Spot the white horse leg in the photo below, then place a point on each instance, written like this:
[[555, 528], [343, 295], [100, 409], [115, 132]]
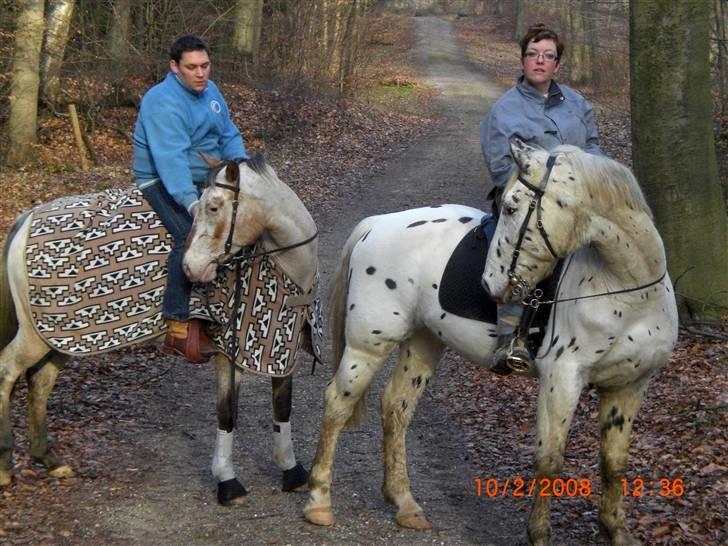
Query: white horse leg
[[355, 372], [41, 379], [229, 489], [557, 398], [417, 359], [294, 475], [617, 410], [19, 355]]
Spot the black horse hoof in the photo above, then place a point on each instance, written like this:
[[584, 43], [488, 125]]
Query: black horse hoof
[[294, 478], [229, 491]]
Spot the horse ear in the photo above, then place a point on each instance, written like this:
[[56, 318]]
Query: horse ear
[[232, 171], [212, 162], [520, 151]]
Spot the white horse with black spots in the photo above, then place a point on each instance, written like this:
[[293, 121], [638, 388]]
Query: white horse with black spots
[[614, 323]]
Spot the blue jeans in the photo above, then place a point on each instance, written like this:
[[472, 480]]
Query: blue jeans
[[176, 301]]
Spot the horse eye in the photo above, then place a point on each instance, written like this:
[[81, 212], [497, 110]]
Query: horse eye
[[509, 210], [212, 208]]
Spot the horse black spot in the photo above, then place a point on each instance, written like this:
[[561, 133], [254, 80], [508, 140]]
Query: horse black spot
[[658, 327], [613, 411], [492, 335], [600, 351], [377, 344], [409, 353], [410, 281], [620, 314], [590, 279], [502, 269], [551, 389], [498, 252], [434, 285], [347, 393], [649, 332], [352, 306], [396, 313], [353, 366], [439, 333], [560, 204], [364, 238], [443, 316], [404, 404], [375, 332], [571, 343], [439, 221], [630, 338], [464, 219], [581, 281], [427, 381], [418, 223], [559, 352], [563, 420], [540, 443], [571, 178], [406, 368], [575, 349], [371, 269], [390, 284], [351, 272], [419, 380], [555, 341], [637, 365]]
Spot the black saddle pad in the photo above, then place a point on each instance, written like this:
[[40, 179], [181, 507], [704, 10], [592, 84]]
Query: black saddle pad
[[460, 290], [462, 295]]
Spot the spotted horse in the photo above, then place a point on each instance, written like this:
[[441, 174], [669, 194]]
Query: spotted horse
[[84, 275], [612, 323]]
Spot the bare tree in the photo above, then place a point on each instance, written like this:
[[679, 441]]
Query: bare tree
[[673, 147], [23, 121], [246, 36], [579, 30], [58, 26], [119, 27]]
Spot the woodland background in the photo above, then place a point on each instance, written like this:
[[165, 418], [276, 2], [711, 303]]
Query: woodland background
[[327, 88]]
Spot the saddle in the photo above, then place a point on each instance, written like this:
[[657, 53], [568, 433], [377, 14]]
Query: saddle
[[461, 293]]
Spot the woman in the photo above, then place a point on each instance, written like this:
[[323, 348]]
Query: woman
[[538, 111]]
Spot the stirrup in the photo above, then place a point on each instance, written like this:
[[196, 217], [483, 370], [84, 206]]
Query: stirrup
[[518, 357]]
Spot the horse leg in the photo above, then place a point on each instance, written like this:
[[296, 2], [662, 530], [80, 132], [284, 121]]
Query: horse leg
[[343, 393], [617, 410], [19, 355], [229, 489], [417, 359], [41, 379], [294, 475], [557, 399]]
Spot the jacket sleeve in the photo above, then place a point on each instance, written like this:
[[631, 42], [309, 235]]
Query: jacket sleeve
[[169, 145], [231, 141], [494, 143], [592, 137]]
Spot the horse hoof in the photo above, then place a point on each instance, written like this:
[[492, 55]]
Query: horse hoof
[[293, 478], [414, 521], [230, 492], [6, 478], [62, 471], [320, 516]]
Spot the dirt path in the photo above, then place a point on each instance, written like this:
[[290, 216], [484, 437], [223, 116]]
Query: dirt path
[[163, 492]]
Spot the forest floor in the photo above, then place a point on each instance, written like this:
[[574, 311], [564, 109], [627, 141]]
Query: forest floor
[[138, 427]]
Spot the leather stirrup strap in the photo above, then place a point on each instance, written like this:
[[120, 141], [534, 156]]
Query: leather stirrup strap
[[192, 347]]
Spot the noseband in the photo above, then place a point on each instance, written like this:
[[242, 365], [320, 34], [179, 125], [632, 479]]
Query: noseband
[[519, 287]]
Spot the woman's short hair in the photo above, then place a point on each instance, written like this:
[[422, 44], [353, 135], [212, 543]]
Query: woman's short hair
[[539, 32]]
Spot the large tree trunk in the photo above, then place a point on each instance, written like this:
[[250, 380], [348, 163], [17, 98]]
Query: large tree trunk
[[519, 19], [673, 148], [246, 36], [579, 31], [58, 26], [24, 89], [119, 26]]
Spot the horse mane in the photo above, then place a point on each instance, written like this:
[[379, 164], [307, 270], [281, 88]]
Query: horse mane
[[609, 183], [260, 166]]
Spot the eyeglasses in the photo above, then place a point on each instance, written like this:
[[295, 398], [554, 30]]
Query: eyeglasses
[[549, 56]]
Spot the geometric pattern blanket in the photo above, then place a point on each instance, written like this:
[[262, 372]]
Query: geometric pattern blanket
[[96, 268]]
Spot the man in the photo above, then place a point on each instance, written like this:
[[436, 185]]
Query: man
[[538, 111], [181, 117]]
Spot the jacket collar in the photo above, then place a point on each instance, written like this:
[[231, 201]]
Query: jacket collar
[[171, 75], [554, 97]]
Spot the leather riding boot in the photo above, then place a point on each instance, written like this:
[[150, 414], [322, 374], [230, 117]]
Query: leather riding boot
[[188, 339], [512, 355]]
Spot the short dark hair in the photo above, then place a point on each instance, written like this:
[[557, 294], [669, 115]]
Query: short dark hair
[[188, 42], [539, 32]]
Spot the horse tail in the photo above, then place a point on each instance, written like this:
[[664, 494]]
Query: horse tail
[[337, 311], [8, 318]]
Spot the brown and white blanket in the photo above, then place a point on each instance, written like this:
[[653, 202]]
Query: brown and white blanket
[[96, 268]]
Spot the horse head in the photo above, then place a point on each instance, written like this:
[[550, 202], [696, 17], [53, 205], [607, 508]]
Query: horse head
[[229, 217], [537, 222]]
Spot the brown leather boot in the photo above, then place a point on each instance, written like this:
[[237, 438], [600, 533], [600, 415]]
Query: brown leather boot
[[196, 347]]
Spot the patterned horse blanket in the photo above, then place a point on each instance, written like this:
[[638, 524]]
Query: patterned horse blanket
[[96, 267]]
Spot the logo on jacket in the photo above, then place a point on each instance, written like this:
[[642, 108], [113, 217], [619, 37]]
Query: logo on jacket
[[215, 106]]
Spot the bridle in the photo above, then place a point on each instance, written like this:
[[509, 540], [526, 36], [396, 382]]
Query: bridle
[[519, 287], [227, 257]]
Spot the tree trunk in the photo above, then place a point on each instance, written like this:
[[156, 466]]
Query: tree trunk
[[673, 148], [119, 26], [58, 26], [349, 46], [519, 19], [246, 36], [580, 36], [24, 89]]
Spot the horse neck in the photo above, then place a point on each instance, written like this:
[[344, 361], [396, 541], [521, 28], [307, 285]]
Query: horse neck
[[628, 245], [289, 222]]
